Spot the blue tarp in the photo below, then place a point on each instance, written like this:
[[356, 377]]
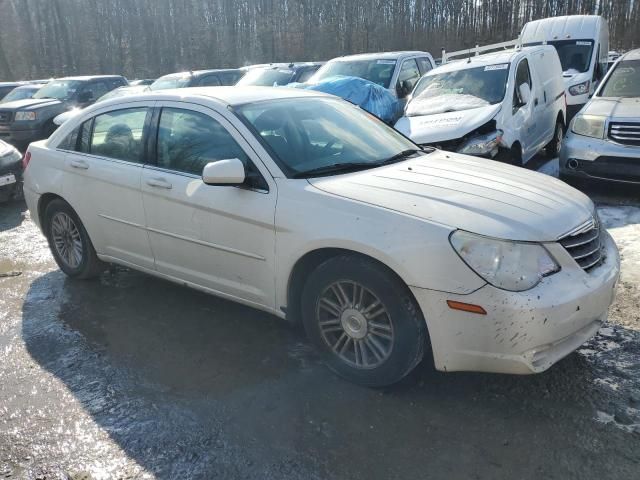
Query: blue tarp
[[370, 96]]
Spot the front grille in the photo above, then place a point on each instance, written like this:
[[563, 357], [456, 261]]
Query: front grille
[[5, 117], [627, 133], [447, 145], [584, 244]]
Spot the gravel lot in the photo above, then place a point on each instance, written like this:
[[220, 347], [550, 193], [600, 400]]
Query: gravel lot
[[133, 377]]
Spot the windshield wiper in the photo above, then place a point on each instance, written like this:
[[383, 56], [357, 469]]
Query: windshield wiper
[[335, 168], [355, 166]]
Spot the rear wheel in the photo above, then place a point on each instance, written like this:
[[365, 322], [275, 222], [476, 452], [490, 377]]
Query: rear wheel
[[555, 145], [69, 242], [363, 320], [512, 156]]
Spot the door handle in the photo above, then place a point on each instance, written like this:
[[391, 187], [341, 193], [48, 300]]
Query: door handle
[[535, 102], [159, 183], [80, 164]]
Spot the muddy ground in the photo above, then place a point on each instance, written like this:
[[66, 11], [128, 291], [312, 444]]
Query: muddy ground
[[133, 377]]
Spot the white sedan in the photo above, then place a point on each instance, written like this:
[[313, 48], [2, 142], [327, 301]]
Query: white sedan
[[305, 206]]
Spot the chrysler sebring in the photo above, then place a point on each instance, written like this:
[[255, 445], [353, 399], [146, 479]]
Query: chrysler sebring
[[303, 205]]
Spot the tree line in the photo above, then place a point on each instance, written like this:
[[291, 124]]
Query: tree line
[[148, 38]]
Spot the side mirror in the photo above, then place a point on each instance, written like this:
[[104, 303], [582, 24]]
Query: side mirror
[[524, 92], [224, 172]]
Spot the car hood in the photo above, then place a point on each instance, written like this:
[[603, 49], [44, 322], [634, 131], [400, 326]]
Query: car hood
[[64, 116], [30, 104], [468, 193], [445, 126], [614, 107]]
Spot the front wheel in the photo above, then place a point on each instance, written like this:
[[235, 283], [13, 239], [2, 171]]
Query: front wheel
[[364, 320], [69, 242]]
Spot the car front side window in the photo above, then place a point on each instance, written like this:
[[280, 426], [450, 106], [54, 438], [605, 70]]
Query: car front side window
[[189, 140], [407, 78], [119, 134]]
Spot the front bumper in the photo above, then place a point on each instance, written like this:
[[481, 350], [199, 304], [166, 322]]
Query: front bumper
[[522, 332], [21, 137], [599, 159]]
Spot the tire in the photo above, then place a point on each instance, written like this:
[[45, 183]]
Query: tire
[[69, 242], [358, 342], [555, 145]]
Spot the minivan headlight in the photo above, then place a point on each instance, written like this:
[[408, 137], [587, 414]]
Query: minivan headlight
[[588, 125], [25, 116], [580, 88], [482, 144], [509, 265]]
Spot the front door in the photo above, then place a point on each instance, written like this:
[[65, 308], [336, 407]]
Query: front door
[[218, 237]]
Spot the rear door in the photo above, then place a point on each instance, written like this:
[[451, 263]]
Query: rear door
[[524, 119], [218, 237], [104, 159]]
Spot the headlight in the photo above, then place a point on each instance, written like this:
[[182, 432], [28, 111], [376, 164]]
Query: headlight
[[588, 125], [513, 266], [482, 144], [25, 116], [580, 89]]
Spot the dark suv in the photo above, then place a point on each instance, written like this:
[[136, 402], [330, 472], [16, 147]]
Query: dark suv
[[280, 74], [28, 120], [198, 78]]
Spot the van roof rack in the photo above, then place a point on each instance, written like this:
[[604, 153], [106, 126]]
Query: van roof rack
[[511, 44]]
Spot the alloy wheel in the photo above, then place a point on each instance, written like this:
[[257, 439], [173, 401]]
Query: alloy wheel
[[355, 324], [66, 239]]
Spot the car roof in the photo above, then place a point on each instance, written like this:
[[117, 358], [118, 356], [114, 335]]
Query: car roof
[[560, 28], [199, 73], [505, 56], [31, 85], [230, 96], [84, 78], [631, 55], [379, 56], [290, 65]]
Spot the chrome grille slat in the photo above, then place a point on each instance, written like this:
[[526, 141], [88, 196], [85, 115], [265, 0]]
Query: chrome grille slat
[[625, 132], [584, 245]]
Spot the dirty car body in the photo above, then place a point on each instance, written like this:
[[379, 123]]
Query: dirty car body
[[373, 243]]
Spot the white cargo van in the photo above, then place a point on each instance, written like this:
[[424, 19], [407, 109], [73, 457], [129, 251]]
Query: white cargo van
[[582, 42], [508, 105]]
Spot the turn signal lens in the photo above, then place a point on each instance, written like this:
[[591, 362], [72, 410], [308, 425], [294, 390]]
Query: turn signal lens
[[466, 307]]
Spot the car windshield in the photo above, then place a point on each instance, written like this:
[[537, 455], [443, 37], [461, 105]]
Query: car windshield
[[58, 89], [624, 81], [19, 93], [377, 71], [575, 55], [268, 77], [175, 80], [322, 136], [459, 90]]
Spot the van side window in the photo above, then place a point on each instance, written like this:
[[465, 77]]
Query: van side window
[[523, 75], [425, 65], [407, 78]]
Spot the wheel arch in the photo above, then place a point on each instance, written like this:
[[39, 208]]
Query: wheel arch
[[310, 261], [44, 200]]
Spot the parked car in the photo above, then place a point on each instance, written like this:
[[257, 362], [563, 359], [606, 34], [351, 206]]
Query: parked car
[[279, 74], [198, 78], [305, 206], [118, 92], [508, 105], [398, 72], [582, 42], [603, 142], [10, 172], [145, 82], [7, 87], [22, 92], [25, 121]]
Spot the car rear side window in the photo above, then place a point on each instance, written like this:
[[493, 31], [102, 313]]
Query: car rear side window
[[119, 134], [188, 140]]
